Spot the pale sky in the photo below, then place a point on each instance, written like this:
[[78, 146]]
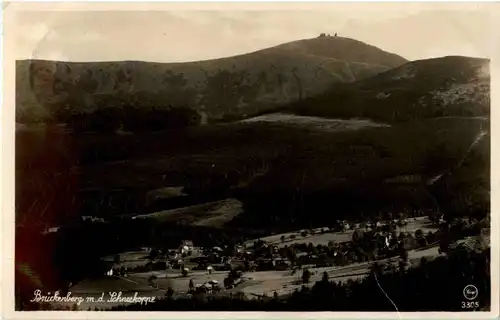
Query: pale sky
[[176, 33]]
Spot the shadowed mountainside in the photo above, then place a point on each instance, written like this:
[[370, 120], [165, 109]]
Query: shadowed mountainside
[[228, 87], [440, 87]]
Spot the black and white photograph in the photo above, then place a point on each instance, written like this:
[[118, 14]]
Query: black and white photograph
[[292, 157]]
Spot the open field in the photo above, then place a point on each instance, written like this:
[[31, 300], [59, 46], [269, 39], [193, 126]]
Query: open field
[[213, 214], [324, 124], [283, 282], [422, 223]]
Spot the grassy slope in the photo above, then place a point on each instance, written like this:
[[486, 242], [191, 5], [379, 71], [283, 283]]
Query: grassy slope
[[212, 214]]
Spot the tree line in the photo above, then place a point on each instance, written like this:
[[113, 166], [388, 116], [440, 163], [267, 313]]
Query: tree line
[[109, 120]]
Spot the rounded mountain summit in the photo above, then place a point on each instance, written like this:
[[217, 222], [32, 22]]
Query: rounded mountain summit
[[222, 88]]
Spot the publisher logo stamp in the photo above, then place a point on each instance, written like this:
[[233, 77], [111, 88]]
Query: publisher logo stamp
[[470, 292]]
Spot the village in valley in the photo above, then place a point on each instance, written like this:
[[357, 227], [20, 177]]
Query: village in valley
[[277, 265]]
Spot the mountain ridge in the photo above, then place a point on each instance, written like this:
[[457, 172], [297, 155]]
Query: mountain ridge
[[240, 85], [426, 88], [279, 46]]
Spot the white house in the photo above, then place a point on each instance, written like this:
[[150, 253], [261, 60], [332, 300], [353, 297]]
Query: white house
[[213, 282], [239, 249], [345, 226], [186, 246], [387, 241]]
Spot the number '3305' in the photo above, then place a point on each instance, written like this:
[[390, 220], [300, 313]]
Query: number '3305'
[[470, 304]]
